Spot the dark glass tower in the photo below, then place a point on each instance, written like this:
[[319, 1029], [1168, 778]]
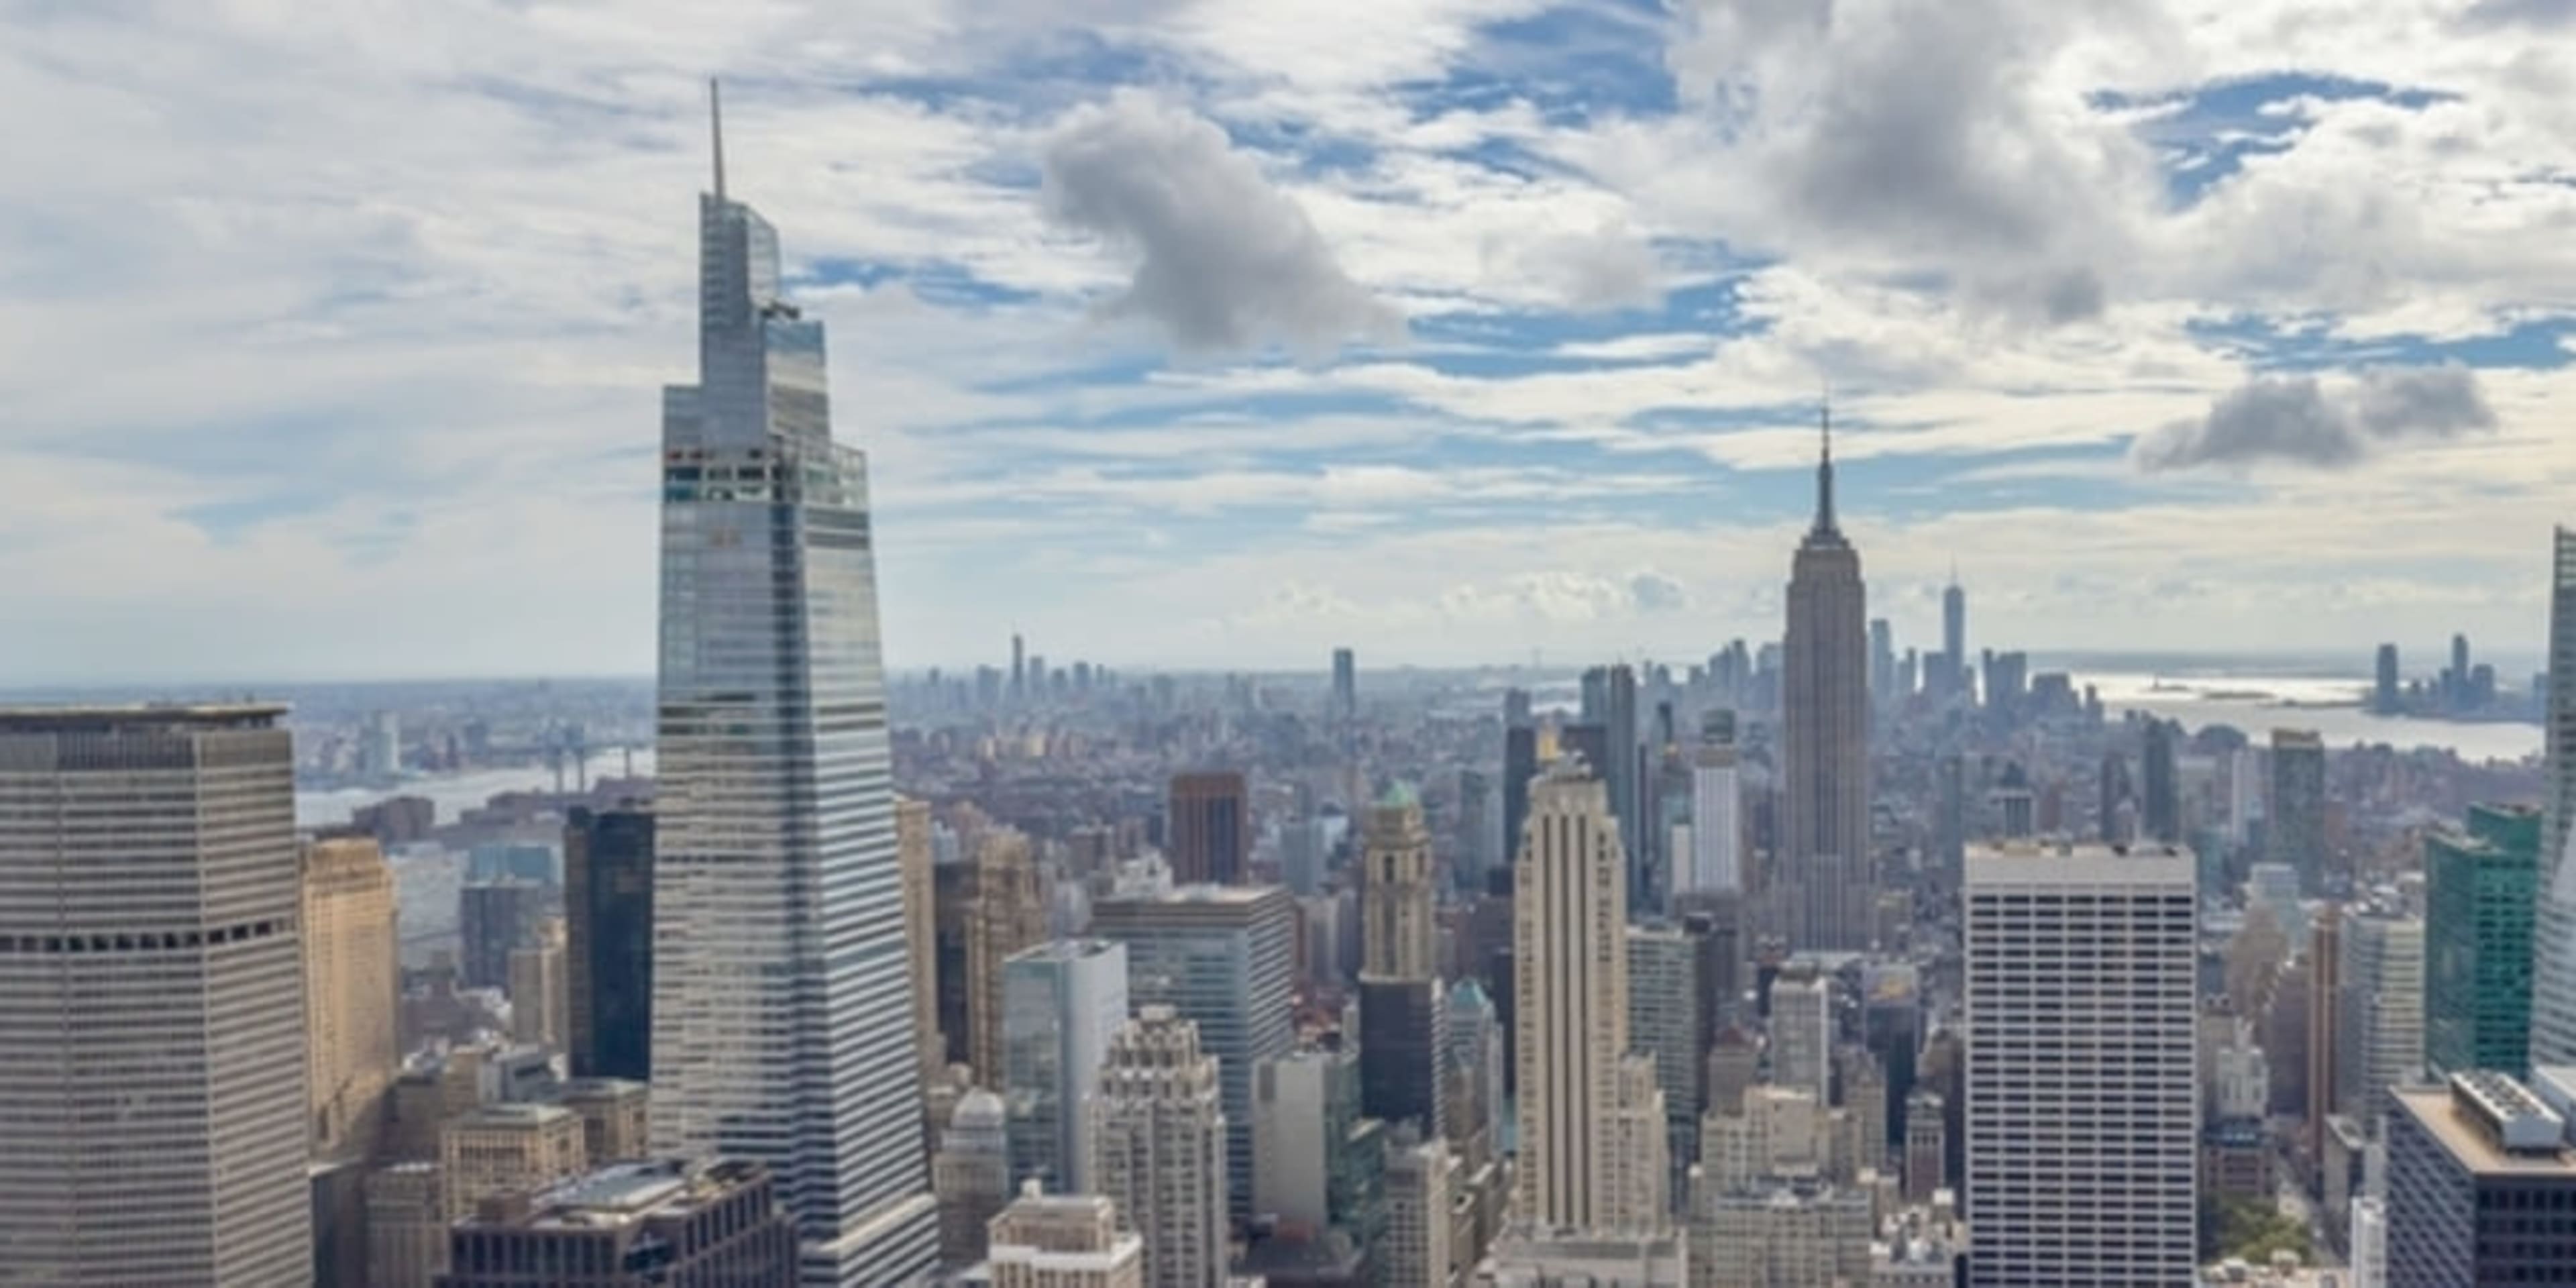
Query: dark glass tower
[[608, 915]]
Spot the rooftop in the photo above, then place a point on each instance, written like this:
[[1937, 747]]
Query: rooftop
[[621, 1194], [2461, 1132], [108, 718]]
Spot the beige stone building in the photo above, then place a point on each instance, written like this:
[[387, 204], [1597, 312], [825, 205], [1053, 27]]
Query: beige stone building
[[352, 980], [505, 1147], [1064, 1241]]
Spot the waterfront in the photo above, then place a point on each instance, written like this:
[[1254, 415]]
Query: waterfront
[[454, 793], [2330, 705]]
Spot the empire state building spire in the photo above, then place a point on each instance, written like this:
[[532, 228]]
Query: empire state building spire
[[1825, 476]]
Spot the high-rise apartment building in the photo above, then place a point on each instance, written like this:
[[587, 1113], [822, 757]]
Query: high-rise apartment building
[[2480, 891], [1207, 828], [1825, 852], [1717, 822], [1063, 1241], [2481, 1186], [782, 1031], [1403, 1018], [1222, 958], [971, 1175], [640, 1224], [2379, 1021], [2553, 985], [608, 949], [1062, 1002], [2083, 1105], [153, 1113], [1158, 1148], [352, 980], [2296, 817], [1592, 1144], [494, 919]]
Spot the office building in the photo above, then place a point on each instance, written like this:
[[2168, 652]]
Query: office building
[[608, 949], [1474, 1049], [1926, 1146], [1522, 1260], [1668, 1024], [2480, 891], [151, 999], [1322, 1159], [2387, 692], [1592, 1150], [1801, 1231], [641, 1224], [494, 919], [1403, 1016], [1063, 1241], [2083, 1105], [2481, 1186], [1158, 1148], [991, 906], [1520, 765], [1802, 1031], [971, 1175], [352, 976], [920, 938], [2366, 1249], [2379, 1021], [2295, 820], [775, 826], [1207, 828], [2322, 968], [1062, 1002], [1220, 956], [1610, 702], [1346, 687], [2160, 805], [1419, 1246], [2553, 985], [1825, 856], [1717, 825], [498, 1148], [406, 1226], [616, 1117], [540, 991]]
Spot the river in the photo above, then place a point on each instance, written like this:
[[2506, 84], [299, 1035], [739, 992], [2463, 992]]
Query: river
[[454, 793]]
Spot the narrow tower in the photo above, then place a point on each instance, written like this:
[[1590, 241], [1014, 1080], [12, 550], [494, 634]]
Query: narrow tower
[[1830, 883]]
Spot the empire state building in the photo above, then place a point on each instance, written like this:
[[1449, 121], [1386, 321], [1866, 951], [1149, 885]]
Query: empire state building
[[1827, 874]]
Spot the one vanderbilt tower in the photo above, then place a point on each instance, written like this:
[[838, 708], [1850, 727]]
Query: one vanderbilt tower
[[782, 1024]]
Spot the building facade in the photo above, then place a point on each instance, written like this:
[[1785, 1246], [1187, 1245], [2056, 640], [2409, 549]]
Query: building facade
[[1062, 1002], [1716, 817], [2083, 1104], [352, 987], [644, 1224], [971, 1175], [503, 1147], [2553, 985], [153, 1113], [1403, 1016], [1158, 1148], [2295, 821], [608, 949], [1063, 1241], [2481, 1186], [1825, 851], [1208, 828], [2379, 1021], [2481, 890], [1222, 958], [782, 1029]]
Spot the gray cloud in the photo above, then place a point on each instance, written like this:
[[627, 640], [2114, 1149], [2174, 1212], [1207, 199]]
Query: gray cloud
[[1915, 132], [2294, 420], [1226, 262], [1611, 267], [1653, 592], [2520, 13]]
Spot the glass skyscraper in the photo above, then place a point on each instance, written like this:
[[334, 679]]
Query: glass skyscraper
[[2553, 984], [782, 1024]]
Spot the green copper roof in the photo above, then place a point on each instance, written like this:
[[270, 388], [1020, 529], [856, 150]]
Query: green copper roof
[[1399, 795]]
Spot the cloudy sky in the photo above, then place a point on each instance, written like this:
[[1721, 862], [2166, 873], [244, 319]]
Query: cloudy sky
[[1218, 332]]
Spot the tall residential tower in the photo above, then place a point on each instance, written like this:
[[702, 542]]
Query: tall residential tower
[[782, 1025]]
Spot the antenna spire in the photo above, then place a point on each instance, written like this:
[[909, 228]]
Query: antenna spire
[[715, 127], [1825, 468]]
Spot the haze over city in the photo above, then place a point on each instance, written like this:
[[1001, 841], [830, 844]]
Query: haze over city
[[1210, 335]]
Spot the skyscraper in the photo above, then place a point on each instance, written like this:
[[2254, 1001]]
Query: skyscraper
[[1403, 1018], [608, 916], [1802, 1032], [2160, 809], [1061, 1003], [2379, 1020], [494, 919], [1208, 828], [1882, 660], [2296, 818], [1954, 635], [1610, 701], [1222, 958], [2553, 985], [1005, 913], [1520, 765], [2481, 1181], [2081, 1055], [971, 1175], [539, 996], [2478, 901], [1346, 687], [912, 848], [1158, 1148], [152, 1062], [782, 1032], [2385, 698], [1418, 1248], [352, 978], [1825, 845], [1717, 803], [1592, 1144]]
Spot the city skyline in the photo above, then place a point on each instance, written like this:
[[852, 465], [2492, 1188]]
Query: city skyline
[[1587, 440]]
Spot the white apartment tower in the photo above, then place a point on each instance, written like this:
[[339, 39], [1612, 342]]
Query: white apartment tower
[[1592, 1148], [1158, 1148], [2083, 1108], [152, 1026], [783, 1023], [1717, 822]]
